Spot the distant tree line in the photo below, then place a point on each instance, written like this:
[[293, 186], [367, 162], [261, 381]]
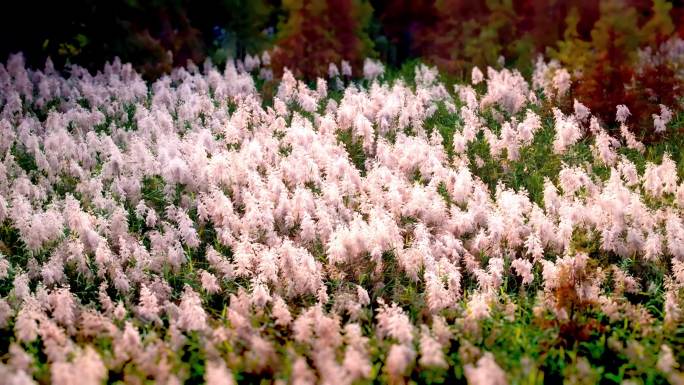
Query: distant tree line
[[601, 40]]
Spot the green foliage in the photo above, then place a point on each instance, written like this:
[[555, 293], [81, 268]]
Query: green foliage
[[660, 24], [240, 27], [24, 159], [572, 50], [617, 28], [354, 149]]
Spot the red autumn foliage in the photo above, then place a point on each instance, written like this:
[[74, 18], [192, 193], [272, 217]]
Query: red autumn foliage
[[617, 74], [319, 32]]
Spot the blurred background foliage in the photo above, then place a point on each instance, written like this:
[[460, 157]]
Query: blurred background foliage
[[312, 34], [599, 40]]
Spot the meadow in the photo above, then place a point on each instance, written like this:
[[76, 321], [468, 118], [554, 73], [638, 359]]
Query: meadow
[[391, 226]]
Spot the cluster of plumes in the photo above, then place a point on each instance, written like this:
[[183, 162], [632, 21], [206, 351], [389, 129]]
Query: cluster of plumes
[[165, 199]]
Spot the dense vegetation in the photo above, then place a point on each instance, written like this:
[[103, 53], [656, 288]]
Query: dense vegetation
[[404, 226]]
